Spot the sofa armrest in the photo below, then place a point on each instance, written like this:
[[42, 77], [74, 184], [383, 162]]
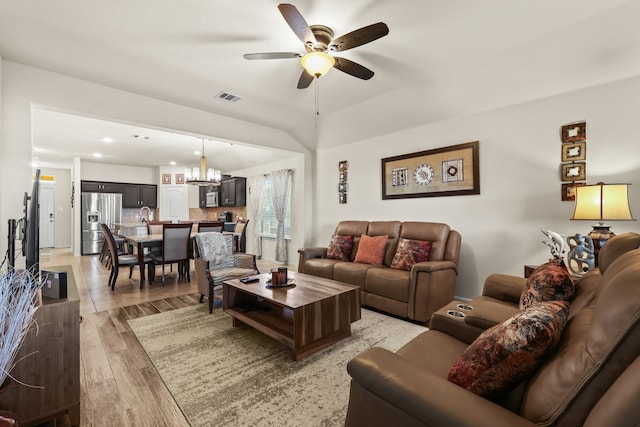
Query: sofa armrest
[[309, 253], [504, 287], [432, 285], [422, 396], [431, 266]]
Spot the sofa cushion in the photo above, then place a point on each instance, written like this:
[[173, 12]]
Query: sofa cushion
[[549, 282], [410, 252], [340, 248], [321, 267], [388, 282], [510, 352], [371, 249]]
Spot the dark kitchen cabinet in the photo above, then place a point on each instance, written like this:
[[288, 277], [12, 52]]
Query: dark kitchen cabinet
[[204, 189], [139, 195], [100, 187], [233, 192]]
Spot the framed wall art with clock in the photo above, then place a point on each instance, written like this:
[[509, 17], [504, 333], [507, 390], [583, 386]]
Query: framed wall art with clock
[[445, 171]]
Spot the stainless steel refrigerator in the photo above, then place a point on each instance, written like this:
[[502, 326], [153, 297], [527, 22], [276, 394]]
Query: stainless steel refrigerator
[[98, 208]]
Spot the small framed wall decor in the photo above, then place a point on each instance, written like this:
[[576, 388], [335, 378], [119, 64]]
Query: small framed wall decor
[[574, 152], [574, 132], [574, 171], [569, 190], [166, 178], [342, 181], [179, 178]]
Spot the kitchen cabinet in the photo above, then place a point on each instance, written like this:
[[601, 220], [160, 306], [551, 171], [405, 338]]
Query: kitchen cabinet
[[233, 192], [203, 194], [139, 195], [100, 187]]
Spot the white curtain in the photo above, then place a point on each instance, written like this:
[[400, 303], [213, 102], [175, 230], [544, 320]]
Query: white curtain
[[256, 188], [280, 189]]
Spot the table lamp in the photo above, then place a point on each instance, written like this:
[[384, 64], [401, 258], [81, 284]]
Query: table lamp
[[602, 202]]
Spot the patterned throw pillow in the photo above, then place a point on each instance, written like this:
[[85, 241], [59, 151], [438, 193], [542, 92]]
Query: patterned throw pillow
[[340, 248], [410, 252], [371, 249], [548, 282], [504, 355]]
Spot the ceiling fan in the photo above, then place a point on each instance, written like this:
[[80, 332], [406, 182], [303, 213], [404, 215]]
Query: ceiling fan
[[320, 44]]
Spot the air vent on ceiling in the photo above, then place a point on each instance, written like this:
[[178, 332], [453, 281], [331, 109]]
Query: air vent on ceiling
[[228, 96]]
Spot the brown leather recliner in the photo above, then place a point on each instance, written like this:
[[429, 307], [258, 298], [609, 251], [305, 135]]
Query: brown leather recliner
[[501, 295], [590, 379], [414, 294]]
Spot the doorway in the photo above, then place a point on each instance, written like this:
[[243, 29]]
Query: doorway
[[47, 224], [174, 203]]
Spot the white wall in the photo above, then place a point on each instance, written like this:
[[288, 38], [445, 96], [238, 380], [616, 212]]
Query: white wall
[[92, 171], [24, 87], [519, 176]]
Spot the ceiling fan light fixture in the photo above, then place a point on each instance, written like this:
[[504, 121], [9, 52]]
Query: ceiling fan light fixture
[[317, 63]]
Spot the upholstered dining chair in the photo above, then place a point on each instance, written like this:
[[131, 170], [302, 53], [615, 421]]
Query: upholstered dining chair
[[215, 262], [241, 235], [208, 227], [120, 260], [175, 249]]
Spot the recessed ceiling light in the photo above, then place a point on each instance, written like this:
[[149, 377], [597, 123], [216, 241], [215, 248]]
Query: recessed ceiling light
[[107, 139], [197, 153], [172, 163], [98, 155]]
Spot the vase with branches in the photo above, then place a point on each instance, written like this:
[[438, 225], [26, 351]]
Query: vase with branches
[[19, 300]]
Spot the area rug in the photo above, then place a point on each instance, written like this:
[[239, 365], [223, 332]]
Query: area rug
[[225, 376]]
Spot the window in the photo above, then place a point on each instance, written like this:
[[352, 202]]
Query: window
[[268, 222]]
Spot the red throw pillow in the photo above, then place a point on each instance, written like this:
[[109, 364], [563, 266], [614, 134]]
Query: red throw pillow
[[548, 282], [410, 252], [504, 355], [371, 249], [340, 248]]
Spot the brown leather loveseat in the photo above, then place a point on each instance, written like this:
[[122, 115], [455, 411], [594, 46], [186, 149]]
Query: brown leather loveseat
[[413, 294], [589, 379]]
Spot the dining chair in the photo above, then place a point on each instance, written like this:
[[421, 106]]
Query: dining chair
[[241, 235], [120, 260], [175, 249], [207, 227], [215, 262]]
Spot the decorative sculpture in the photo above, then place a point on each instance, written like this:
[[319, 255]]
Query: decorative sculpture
[[558, 244], [582, 255]]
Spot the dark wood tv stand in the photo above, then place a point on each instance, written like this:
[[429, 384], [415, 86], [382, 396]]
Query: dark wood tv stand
[[54, 364]]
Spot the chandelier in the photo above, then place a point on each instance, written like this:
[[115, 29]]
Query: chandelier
[[202, 175]]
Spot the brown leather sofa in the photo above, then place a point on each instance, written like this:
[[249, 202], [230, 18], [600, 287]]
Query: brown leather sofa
[[414, 294], [590, 379], [501, 294]]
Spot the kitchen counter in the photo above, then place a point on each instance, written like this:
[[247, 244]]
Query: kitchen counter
[[131, 228]]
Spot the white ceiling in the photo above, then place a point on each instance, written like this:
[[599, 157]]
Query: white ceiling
[[441, 59]]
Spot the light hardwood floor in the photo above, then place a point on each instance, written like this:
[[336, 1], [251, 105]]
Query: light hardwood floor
[[119, 386]]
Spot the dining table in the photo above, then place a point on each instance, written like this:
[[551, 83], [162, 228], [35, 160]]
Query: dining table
[[151, 241]]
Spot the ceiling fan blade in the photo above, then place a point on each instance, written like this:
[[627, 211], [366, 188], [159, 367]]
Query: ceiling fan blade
[[359, 37], [305, 80], [353, 68], [297, 23], [271, 55]]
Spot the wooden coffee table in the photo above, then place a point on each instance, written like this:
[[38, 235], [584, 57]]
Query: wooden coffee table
[[308, 316]]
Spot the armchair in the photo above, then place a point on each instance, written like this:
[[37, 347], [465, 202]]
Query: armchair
[[215, 262]]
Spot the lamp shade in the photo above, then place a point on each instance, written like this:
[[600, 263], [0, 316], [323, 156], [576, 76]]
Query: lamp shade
[[602, 202], [317, 63]]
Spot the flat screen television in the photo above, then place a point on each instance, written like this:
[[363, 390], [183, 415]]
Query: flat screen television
[[31, 235]]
